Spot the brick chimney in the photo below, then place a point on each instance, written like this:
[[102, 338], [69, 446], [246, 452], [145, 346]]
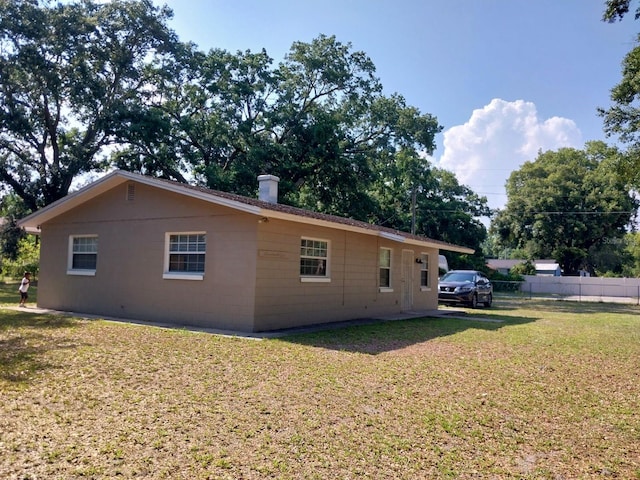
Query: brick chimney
[[268, 188]]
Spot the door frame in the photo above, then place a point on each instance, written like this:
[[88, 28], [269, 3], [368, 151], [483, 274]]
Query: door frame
[[407, 276]]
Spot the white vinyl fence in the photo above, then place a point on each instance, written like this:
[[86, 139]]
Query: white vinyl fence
[[582, 287]]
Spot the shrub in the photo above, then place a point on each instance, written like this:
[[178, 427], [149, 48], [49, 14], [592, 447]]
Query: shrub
[[505, 283], [27, 260], [526, 268]]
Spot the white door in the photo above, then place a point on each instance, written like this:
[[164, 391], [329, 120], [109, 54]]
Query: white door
[[407, 281]]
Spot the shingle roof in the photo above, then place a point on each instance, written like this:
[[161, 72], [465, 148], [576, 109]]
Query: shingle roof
[[300, 212]]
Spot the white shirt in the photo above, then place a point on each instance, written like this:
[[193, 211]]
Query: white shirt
[[24, 285]]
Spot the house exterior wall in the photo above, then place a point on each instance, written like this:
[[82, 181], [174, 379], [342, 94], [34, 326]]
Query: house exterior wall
[[252, 276], [353, 291], [129, 281]]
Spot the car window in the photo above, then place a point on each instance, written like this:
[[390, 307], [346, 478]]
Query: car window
[[458, 277]]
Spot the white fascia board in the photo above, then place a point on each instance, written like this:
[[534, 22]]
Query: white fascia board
[[436, 245], [393, 237], [455, 248]]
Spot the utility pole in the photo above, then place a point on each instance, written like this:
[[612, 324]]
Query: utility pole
[[413, 210]]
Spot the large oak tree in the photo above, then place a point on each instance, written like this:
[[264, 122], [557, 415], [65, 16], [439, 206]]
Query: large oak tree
[[73, 75], [622, 118], [318, 120], [87, 86], [567, 205]]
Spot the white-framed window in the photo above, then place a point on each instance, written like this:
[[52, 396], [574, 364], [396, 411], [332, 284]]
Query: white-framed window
[[314, 260], [384, 264], [185, 254], [424, 272], [83, 255]]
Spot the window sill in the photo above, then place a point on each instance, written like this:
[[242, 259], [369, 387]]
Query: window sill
[[425, 289], [183, 276], [385, 290], [82, 273], [315, 279]]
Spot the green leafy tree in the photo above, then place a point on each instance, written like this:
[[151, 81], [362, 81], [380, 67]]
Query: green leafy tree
[[207, 119], [611, 257], [450, 211], [632, 248], [415, 196], [623, 117], [74, 77], [494, 248], [318, 120], [525, 268], [338, 129], [617, 9], [84, 76], [11, 210], [10, 236], [566, 205], [27, 258]]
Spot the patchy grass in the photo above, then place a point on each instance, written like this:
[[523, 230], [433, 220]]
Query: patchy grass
[[552, 391], [9, 294]]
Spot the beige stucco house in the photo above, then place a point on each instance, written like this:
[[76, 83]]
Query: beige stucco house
[[137, 247]]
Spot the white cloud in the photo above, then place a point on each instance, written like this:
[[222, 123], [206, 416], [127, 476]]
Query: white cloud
[[497, 139]]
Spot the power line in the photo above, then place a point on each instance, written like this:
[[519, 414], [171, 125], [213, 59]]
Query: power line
[[544, 213], [583, 213]]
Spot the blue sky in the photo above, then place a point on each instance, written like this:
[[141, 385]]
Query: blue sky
[[505, 78]]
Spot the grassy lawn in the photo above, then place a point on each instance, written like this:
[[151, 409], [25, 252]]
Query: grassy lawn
[[552, 391], [9, 294]]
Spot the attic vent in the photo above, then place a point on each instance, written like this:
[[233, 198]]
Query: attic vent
[[131, 192]]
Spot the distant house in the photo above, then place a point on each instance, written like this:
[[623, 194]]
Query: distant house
[[503, 266], [548, 269], [543, 267], [137, 247]]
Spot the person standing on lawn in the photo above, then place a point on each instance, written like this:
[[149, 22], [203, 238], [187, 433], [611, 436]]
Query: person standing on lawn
[[24, 287]]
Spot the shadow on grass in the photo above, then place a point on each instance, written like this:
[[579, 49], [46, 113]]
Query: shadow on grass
[[24, 340], [384, 336], [567, 306], [10, 319]]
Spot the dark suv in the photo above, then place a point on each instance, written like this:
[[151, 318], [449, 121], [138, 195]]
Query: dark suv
[[465, 286]]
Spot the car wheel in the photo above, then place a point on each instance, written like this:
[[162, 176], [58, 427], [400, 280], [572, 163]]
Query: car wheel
[[489, 301], [474, 301]]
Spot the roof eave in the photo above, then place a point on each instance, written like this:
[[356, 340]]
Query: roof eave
[[32, 222], [395, 237]]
